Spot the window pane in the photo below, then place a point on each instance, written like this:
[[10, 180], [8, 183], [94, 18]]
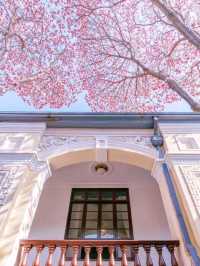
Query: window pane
[[107, 234], [92, 215], [75, 223], [92, 207], [122, 215], [74, 233], [121, 195], [123, 233], [106, 224], [78, 195], [90, 233], [106, 195], [93, 195], [107, 207], [122, 207], [76, 215], [107, 215], [122, 224], [91, 224], [77, 207]]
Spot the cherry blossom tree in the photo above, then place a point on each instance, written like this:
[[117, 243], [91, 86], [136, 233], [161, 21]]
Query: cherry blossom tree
[[128, 55], [141, 54], [38, 55]]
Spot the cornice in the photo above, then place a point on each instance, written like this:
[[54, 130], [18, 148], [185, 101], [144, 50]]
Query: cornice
[[26, 127]]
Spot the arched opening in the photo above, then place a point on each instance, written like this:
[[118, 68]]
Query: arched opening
[[147, 211], [124, 170]]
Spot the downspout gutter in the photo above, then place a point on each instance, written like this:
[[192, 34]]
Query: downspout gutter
[[157, 142]]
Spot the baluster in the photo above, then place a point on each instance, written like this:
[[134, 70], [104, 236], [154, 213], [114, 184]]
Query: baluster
[[173, 258], [39, 249], [112, 258], [99, 256], [51, 251], [62, 256], [75, 255], [24, 255], [161, 260], [149, 261], [136, 256], [124, 256], [87, 256]]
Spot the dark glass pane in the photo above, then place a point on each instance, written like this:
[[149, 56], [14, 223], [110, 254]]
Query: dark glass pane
[[79, 195], [107, 215], [77, 207], [92, 207], [106, 195], [122, 224], [107, 234], [92, 215], [121, 195], [122, 207], [122, 215], [106, 224], [75, 223], [92, 195], [107, 207], [91, 224], [76, 215], [74, 233], [90, 233], [123, 233]]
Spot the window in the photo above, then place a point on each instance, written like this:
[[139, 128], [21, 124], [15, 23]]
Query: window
[[99, 214]]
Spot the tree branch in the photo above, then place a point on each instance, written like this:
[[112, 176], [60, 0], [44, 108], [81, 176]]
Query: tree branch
[[188, 33]]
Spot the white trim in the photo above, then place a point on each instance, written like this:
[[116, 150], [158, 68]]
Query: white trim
[[22, 127], [179, 128]]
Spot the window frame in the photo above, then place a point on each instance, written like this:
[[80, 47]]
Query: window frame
[[100, 201]]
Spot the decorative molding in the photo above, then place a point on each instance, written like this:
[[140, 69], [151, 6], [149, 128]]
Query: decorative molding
[[49, 142], [135, 139], [9, 179], [20, 159], [16, 158], [22, 127], [179, 128], [52, 144], [191, 176]]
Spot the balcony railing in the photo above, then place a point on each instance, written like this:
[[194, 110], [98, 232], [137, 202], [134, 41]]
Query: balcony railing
[[53, 252]]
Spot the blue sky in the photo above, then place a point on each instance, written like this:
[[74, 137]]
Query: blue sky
[[10, 102]]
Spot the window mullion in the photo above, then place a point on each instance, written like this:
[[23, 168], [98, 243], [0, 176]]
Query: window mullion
[[114, 216], [83, 220]]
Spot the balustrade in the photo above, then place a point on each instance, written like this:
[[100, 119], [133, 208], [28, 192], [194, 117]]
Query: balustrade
[[147, 253]]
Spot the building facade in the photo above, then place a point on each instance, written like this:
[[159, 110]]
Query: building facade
[[93, 188]]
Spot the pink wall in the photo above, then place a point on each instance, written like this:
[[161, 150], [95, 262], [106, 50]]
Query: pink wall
[[148, 216]]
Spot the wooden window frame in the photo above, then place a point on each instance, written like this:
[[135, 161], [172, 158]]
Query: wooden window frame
[[100, 201]]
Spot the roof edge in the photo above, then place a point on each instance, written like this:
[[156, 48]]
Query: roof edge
[[99, 120]]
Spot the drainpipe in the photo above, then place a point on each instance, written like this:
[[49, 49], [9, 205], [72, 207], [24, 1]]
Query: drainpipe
[[157, 142]]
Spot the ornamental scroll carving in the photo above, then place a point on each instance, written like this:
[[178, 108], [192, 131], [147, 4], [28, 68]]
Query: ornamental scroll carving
[[50, 142], [9, 179]]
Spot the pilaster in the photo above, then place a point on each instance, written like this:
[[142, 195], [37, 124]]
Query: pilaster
[[22, 177], [182, 154]]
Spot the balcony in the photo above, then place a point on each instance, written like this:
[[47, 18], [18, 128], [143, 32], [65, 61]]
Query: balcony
[[137, 253], [117, 218]]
